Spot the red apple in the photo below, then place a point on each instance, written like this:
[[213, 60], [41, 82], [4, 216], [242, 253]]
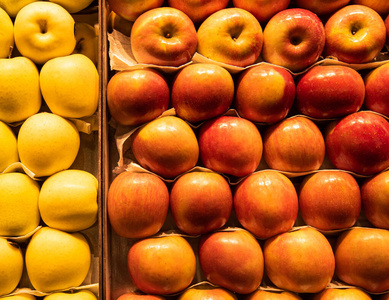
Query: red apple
[[137, 204], [137, 96], [381, 7], [341, 293], [207, 292], [355, 34], [161, 265], [272, 295], [266, 203], [362, 258], [377, 92], [375, 198], [322, 7], [264, 93], [263, 10], [299, 261], [232, 259], [230, 145], [133, 296], [198, 10], [330, 91], [132, 9], [232, 36], [359, 143], [330, 200], [202, 91], [163, 36], [295, 144], [293, 38], [167, 146], [200, 202], [386, 21]]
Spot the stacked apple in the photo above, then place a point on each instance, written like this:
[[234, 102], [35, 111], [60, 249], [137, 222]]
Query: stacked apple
[[48, 198], [255, 136]]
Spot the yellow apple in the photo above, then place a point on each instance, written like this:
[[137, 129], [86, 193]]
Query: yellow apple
[[119, 23], [12, 7], [20, 297], [79, 295], [20, 95], [44, 30], [73, 6], [8, 146], [68, 200], [48, 143], [87, 41], [19, 213], [70, 86], [11, 266], [57, 260], [6, 34]]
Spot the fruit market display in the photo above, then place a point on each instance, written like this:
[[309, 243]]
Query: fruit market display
[[49, 150]]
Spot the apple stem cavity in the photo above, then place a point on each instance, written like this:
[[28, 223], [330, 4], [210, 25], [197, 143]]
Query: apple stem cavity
[[43, 26]]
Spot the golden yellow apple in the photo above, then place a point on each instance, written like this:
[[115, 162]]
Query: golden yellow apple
[[8, 146], [79, 295], [12, 7], [73, 6], [11, 266], [7, 34], [87, 41]]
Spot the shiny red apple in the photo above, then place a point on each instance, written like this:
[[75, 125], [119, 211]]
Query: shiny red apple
[[272, 295], [133, 296], [132, 9], [350, 293], [322, 7], [207, 292], [377, 92], [381, 7]]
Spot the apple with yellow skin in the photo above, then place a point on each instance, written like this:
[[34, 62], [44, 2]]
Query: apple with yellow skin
[[86, 41], [73, 6], [78, 295], [381, 7], [266, 203], [299, 261], [263, 10], [7, 34], [342, 293], [163, 36], [362, 258], [162, 265], [232, 36], [9, 146], [232, 260], [11, 260], [131, 9], [20, 297], [198, 10], [272, 295], [354, 34], [166, 146], [329, 200], [264, 93], [202, 91], [116, 22], [207, 292], [12, 7], [322, 7]]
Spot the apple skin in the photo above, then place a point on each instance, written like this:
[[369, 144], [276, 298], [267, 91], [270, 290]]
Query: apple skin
[[86, 41], [359, 143], [137, 96], [299, 261], [263, 10], [264, 93], [329, 92], [375, 195], [355, 34], [295, 144], [133, 296], [381, 7], [131, 9], [116, 22], [166, 146], [266, 203], [341, 293], [377, 94], [232, 36], [330, 200], [161, 265], [362, 258], [272, 295], [300, 43], [200, 202], [202, 91], [198, 10], [230, 145], [163, 36], [207, 292], [322, 7], [137, 204], [386, 21], [232, 259], [7, 37]]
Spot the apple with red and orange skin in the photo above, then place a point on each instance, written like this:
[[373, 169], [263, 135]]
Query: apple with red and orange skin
[[263, 10], [266, 203], [377, 94], [375, 197], [293, 38], [272, 295], [386, 21], [232, 260], [232, 36], [137, 96], [166, 146], [264, 93], [200, 202], [137, 204], [198, 10], [295, 144], [300, 261], [355, 34], [341, 293], [362, 258], [230, 145], [381, 7], [207, 292], [133, 296], [163, 36], [330, 91], [359, 143], [329, 200], [132, 9], [202, 91], [322, 7], [161, 265]]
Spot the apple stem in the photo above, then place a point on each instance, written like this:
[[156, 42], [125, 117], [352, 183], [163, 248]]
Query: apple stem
[[10, 51]]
